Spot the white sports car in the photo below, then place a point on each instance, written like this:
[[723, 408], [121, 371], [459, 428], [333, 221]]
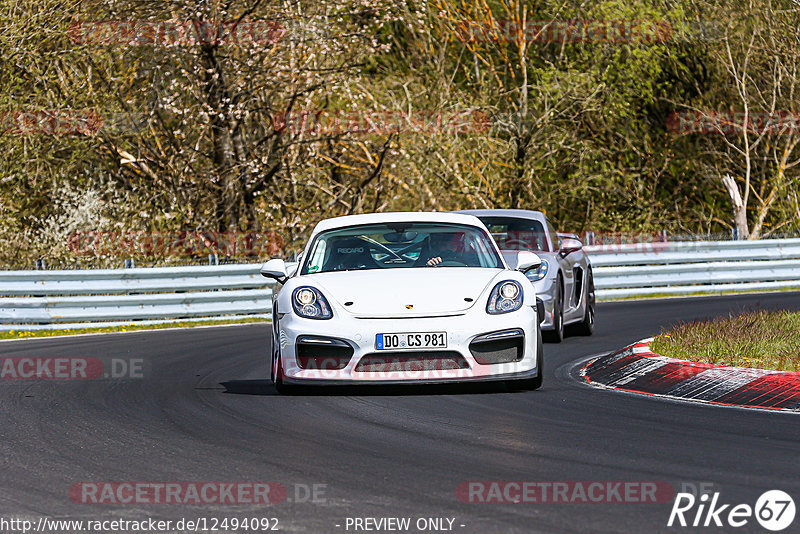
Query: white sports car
[[404, 297]]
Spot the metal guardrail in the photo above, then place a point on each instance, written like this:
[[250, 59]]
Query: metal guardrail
[[46, 300], [36, 300], [682, 268]]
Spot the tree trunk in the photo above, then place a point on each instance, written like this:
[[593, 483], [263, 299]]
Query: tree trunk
[[518, 185], [227, 201], [739, 209]]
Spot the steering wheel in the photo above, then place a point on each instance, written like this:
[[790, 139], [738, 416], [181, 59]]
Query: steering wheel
[[451, 263], [518, 243], [390, 260]]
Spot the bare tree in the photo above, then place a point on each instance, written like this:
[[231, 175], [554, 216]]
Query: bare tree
[[751, 144]]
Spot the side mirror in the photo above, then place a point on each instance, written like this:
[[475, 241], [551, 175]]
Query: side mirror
[[275, 269], [570, 245], [525, 261]]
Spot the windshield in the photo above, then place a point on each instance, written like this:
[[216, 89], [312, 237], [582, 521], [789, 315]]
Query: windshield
[[401, 245], [517, 234]]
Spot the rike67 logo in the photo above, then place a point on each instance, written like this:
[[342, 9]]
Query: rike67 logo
[[774, 510]]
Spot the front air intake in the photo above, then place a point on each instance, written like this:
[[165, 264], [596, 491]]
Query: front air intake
[[324, 353], [505, 346]]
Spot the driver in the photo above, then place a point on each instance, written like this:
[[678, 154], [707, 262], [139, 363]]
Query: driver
[[523, 236], [447, 247]]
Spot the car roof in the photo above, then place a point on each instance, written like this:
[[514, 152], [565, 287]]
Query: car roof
[[520, 214], [399, 216]]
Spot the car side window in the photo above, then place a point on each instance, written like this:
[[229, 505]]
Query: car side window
[[553, 236]]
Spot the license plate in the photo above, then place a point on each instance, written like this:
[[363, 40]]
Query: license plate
[[411, 340]]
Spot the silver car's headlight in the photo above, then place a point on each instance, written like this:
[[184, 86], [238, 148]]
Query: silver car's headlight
[[534, 275], [505, 297], [308, 302]]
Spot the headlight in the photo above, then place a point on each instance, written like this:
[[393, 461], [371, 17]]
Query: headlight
[[505, 297], [308, 302], [534, 275]]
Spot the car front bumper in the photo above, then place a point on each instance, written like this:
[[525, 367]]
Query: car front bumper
[[458, 362]]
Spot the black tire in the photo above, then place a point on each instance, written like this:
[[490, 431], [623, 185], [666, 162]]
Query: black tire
[[273, 355], [277, 374], [280, 386], [556, 335], [274, 351], [586, 327], [535, 382]]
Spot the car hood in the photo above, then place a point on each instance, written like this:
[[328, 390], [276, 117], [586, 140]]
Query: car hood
[[412, 292]]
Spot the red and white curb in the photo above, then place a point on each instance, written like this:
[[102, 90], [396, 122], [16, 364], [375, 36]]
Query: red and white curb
[[638, 370]]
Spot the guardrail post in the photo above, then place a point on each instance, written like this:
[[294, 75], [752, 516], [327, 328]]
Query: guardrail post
[[213, 259], [590, 238], [40, 265], [129, 264]]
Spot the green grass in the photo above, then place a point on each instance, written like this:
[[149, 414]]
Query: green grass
[[24, 334], [760, 339]]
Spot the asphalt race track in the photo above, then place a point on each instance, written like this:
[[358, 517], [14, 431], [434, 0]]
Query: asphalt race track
[[203, 411]]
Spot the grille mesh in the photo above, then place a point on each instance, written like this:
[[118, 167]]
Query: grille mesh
[[497, 351], [393, 362]]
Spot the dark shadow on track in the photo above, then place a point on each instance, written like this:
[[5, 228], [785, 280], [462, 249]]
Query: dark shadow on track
[[266, 388], [249, 387]]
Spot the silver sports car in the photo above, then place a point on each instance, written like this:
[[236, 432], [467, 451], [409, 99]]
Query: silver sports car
[[564, 280]]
